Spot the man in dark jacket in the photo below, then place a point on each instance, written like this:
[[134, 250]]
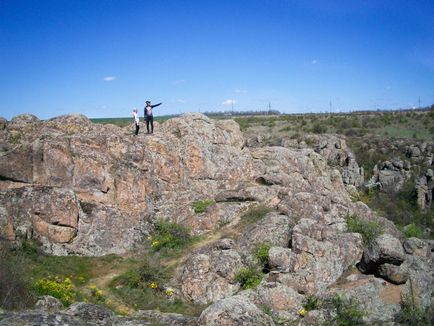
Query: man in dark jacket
[[149, 117]]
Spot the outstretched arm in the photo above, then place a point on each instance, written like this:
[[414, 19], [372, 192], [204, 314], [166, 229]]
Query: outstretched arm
[[153, 106]]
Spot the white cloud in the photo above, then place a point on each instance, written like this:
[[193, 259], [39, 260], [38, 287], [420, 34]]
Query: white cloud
[[109, 78], [230, 102], [179, 81], [314, 62], [240, 91], [180, 100]]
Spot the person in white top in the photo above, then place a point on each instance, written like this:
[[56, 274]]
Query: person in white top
[[136, 121]]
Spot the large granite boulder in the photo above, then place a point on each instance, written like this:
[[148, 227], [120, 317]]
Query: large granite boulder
[[209, 274], [384, 249], [235, 310]]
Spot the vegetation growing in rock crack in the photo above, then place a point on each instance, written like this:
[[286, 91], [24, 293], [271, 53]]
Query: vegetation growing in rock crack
[[368, 229], [344, 312], [202, 205], [249, 277], [411, 313], [261, 256]]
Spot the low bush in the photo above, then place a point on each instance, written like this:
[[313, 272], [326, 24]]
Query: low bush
[[319, 128], [261, 256], [411, 314], [255, 214], [60, 288], [346, 311], [15, 286], [311, 303], [368, 229], [170, 237], [249, 277], [201, 206], [412, 230]]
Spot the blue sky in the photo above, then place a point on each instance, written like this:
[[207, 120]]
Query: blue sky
[[102, 58]]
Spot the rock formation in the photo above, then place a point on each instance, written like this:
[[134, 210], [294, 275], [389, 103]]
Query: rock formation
[[82, 188]]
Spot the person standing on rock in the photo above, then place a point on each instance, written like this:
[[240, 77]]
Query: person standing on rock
[[136, 121], [149, 117]]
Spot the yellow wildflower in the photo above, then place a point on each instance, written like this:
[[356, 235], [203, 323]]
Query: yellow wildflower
[[302, 312], [169, 292], [153, 285], [155, 243]]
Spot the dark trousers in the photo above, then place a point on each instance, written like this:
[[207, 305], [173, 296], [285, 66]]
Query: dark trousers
[[150, 121], [137, 129]]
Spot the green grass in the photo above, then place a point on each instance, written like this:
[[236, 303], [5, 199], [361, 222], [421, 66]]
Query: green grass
[[202, 205], [368, 229], [249, 277], [169, 239], [122, 122], [255, 214], [347, 312], [146, 287], [261, 256]]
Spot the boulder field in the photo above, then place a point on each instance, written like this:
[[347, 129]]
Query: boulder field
[[81, 188]]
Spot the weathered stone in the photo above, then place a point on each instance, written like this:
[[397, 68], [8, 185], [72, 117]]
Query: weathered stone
[[235, 310], [153, 316], [210, 275], [3, 123], [278, 297], [31, 318], [319, 257], [92, 314], [49, 303], [378, 299], [420, 285], [384, 249], [279, 258], [393, 273], [52, 213], [274, 229], [417, 247]]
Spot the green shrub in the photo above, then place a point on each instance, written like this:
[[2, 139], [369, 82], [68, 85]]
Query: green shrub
[[411, 314], [311, 303], [249, 278], [261, 255], [15, 287], [201, 206], [347, 311], [150, 274], [412, 230], [368, 229], [62, 289], [318, 128], [255, 214], [170, 236]]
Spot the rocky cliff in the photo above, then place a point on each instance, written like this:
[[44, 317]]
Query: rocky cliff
[[87, 189]]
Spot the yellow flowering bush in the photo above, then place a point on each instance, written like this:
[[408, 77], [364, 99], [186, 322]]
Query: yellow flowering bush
[[62, 289], [153, 285], [96, 293], [169, 292]]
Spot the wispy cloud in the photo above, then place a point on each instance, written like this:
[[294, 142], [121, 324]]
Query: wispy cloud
[[180, 100], [240, 91], [179, 82], [109, 78], [230, 102], [314, 62]]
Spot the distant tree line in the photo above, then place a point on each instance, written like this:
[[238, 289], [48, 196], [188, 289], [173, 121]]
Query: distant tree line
[[240, 113]]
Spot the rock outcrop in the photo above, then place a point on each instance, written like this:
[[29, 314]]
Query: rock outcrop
[[118, 184], [81, 188]]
